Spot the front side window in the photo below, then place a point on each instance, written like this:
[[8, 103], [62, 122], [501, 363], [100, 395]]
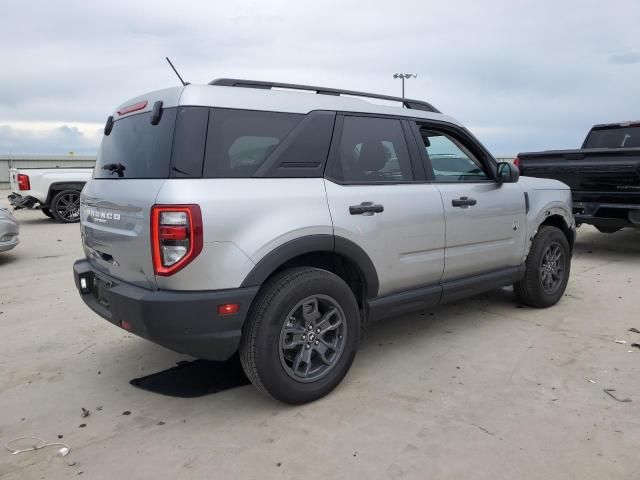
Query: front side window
[[372, 150], [450, 159], [239, 141]]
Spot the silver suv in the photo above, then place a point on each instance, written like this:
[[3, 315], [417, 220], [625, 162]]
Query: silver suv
[[278, 220]]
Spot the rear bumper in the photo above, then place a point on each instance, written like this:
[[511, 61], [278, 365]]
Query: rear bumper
[[18, 201], [186, 322], [608, 215]]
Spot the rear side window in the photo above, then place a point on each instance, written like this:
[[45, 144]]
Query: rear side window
[[239, 141], [614, 137], [137, 149], [371, 150]]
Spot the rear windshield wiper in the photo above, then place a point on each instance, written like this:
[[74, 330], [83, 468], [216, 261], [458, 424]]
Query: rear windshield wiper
[[116, 168]]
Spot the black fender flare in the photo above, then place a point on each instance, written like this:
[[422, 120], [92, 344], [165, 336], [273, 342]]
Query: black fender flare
[[59, 186], [315, 243]]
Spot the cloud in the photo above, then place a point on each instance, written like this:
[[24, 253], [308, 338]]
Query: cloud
[[625, 58], [47, 138], [536, 72]]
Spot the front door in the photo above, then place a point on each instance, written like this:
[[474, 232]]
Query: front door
[[485, 220]]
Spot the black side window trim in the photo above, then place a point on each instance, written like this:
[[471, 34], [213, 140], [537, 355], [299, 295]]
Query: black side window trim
[[463, 136], [335, 147]]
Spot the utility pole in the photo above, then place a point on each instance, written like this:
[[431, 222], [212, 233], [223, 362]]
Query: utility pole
[[403, 76]]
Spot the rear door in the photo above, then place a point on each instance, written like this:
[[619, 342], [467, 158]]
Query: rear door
[[485, 221], [379, 199], [132, 164]]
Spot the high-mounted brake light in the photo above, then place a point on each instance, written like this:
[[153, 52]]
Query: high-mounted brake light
[[23, 182], [176, 237], [132, 108]]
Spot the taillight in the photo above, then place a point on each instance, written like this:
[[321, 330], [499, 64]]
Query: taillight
[[23, 182], [516, 162], [176, 237]]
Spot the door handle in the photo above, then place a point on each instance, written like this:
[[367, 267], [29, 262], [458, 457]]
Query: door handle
[[463, 202], [366, 208]]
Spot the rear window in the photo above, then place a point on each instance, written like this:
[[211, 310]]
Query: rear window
[[614, 137], [239, 141], [137, 149]]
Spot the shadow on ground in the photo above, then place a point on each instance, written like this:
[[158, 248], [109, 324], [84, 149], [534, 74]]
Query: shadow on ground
[[195, 378], [622, 244]]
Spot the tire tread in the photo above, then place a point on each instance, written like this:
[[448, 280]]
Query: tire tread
[[527, 290]]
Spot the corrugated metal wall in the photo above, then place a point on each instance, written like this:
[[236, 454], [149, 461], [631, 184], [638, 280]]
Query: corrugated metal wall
[[42, 161]]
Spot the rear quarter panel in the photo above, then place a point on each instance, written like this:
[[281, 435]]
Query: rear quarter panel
[[243, 220]]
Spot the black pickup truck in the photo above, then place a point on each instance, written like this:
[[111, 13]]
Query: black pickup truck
[[604, 175]]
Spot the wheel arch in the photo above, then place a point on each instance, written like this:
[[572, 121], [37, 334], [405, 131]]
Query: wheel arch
[[333, 253], [59, 187], [560, 222]]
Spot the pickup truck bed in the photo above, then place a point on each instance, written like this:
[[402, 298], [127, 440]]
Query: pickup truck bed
[[605, 182]]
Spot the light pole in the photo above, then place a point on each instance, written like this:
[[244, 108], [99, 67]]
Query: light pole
[[402, 77]]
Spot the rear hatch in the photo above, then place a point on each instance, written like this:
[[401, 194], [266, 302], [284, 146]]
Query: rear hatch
[[115, 206]]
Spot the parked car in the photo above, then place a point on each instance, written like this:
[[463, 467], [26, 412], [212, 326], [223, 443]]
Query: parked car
[[9, 230], [604, 175], [280, 223], [55, 191]]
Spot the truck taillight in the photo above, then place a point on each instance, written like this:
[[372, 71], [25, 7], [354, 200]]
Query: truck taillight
[[516, 162], [23, 182], [176, 237]]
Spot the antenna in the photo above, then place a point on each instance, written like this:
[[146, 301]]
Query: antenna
[[176, 71]]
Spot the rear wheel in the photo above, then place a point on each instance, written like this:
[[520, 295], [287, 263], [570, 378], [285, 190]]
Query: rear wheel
[[65, 206], [301, 336], [547, 269], [47, 212]]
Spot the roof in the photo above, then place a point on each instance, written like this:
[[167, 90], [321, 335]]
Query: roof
[[298, 100]]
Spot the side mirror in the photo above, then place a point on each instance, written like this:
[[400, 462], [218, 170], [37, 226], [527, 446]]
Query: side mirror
[[507, 173]]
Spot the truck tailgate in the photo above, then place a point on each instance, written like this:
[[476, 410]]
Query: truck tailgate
[[594, 175]]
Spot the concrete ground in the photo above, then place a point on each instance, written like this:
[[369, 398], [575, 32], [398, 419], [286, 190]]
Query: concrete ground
[[480, 389]]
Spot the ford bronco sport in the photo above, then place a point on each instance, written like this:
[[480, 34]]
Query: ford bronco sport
[[278, 220]]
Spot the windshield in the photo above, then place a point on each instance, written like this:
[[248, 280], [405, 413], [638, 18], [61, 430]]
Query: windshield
[[614, 137], [137, 149]]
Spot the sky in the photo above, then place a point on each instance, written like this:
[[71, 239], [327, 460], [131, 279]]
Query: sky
[[520, 75]]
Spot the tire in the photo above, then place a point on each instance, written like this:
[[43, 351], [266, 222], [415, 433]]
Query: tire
[[47, 212], [276, 338], [65, 206], [534, 289]]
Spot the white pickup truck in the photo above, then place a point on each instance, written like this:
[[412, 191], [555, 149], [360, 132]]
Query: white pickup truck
[[55, 191]]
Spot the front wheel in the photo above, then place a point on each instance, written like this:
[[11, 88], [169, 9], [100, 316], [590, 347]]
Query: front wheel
[[65, 206], [547, 269], [301, 336]]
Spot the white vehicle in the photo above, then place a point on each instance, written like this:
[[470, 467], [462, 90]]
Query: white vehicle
[[236, 217], [55, 191]]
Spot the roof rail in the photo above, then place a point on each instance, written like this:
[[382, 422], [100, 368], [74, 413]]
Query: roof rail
[[408, 103]]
